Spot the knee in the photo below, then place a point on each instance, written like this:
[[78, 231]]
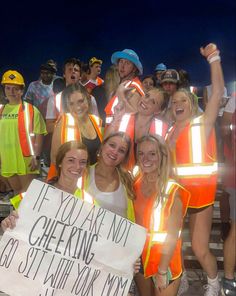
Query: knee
[[199, 250]]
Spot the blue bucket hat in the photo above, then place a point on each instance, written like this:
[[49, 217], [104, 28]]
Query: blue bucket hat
[[129, 55], [160, 67]]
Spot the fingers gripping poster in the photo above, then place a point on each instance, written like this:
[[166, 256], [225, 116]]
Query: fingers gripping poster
[[64, 246]]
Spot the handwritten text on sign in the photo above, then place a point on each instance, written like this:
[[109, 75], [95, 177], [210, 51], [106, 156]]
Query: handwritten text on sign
[[64, 246]]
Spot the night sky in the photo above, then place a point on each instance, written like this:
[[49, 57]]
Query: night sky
[[170, 32]]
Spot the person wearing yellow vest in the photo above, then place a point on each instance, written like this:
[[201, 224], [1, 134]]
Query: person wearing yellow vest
[[108, 179], [193, 146], [22, 129], [160, 206], [76, 124]]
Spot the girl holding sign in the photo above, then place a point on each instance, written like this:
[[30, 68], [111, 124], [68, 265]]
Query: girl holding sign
[[71, 163], [160, 206]]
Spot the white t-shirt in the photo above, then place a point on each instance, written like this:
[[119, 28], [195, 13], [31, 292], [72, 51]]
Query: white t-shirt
[[209, 89], [115, 201], [230, 106]]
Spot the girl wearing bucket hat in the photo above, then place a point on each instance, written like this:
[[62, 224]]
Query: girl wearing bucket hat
[[129, 67]]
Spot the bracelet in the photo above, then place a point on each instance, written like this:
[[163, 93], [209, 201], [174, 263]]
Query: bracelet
[[214, 53], [213, 59], [162, 272]]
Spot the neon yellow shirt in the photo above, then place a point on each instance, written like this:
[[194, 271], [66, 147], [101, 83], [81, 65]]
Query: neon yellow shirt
[[11, 157]]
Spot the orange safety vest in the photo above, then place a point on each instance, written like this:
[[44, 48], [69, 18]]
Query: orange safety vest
[[195, 162], [155, 219], [158, 127], [25, 127], [109, 109], [70, 132]]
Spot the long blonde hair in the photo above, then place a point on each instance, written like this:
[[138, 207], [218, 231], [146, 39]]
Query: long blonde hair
[[164, 165]]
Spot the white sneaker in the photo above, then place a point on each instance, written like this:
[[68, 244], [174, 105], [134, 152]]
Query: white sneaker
[[184, 285], [211, 290]]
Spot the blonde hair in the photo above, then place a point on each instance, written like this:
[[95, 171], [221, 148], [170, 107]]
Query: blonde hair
[[125, 176], [164, 165], [111, 81], [192, 100]]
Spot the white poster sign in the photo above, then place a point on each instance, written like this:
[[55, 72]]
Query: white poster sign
[[64, 246]]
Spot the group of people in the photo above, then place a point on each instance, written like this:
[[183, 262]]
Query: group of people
[[152, 161]]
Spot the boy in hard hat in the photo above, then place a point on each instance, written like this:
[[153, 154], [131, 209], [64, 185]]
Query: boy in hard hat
[[22, 128]]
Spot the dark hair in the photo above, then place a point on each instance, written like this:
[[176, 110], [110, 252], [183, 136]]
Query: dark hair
[[85, 68], [73, 61], [151, 77], [58, 85]]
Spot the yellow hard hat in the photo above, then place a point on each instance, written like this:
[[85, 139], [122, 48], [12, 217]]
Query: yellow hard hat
[[12, 77]]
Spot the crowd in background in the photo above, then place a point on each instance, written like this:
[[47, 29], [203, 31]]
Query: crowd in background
[[149, 147]]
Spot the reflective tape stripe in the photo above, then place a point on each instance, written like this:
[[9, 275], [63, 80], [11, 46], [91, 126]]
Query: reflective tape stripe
[[88, 198], [158, 127], [80, 183], [109, 119], [196, 141], [196, 170], [70, 128], [27, 127], [58, 102], [116, 101], [139, 88], [124, 123], [161, 237]]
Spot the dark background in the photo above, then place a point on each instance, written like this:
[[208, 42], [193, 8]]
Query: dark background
[[169, 32]]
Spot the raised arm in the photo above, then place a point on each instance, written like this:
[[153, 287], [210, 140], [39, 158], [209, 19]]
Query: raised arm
[[211, 53]]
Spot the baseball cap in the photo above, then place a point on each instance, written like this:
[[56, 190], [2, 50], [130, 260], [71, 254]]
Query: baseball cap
[[94, 60], [170, 75]]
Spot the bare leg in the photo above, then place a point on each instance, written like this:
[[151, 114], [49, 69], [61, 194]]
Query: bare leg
[[230, 253], [171, 290], [200, 228], [145, 286]]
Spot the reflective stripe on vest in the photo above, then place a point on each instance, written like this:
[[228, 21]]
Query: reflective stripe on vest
[[28, 122], [124, 123], [70, 131], [197, 166], [116, 101], [58, 102], [25, 127], [138, 87], [158, 127], [109, 119], [159, 236]]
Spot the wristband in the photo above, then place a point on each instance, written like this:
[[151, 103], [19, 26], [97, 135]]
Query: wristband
[[213, 59], [162, 272], [214, 53]]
